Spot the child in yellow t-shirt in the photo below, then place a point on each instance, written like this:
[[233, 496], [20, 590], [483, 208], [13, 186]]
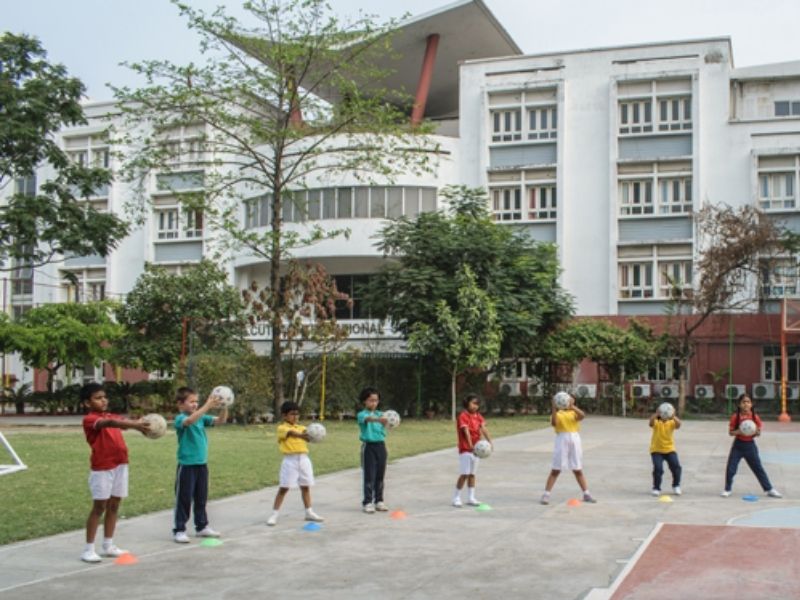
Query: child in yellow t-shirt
[[567, 452], [296, 468], [662, 448]]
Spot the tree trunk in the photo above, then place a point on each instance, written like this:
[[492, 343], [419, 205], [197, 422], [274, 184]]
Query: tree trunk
[[276, 352], [683, 368]]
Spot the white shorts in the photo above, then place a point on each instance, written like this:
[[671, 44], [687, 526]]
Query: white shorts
[[467, 463], [567, 453], [105, 484], [296, 470]]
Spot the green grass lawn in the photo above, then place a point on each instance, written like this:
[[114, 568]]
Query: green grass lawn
[[53, 495]]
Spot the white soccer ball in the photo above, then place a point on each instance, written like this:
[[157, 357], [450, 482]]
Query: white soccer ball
[[224, 393], [748, 427], [561, 400], [666, 411], [482, 449], [316, 432], [392, 418], [158, 425]]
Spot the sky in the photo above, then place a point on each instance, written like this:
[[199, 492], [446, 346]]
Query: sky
[[91, 37]]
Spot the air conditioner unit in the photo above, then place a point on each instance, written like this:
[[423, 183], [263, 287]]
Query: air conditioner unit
[[667, 391], [510, 388], [704, 391], [733, 391], [763, 391], [792, 392], [585, 390], [641, 390]]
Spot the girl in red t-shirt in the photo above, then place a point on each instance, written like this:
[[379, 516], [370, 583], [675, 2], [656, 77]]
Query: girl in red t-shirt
[[744, 446]]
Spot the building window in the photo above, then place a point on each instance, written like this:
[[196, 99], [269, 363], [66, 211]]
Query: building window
[[167, 224], [776, 191], [675, 278], [635, 116], [636, 280], [636, 197], [541, 202], [355, 287], [787, 108], [542, 123], [360, 202], [26, 186], [779, 278], [193, 224], [507, 125], [507, 204], [656, 106], [674, 114], [675, 195], [663, 189], [666, 369], [771, 363]]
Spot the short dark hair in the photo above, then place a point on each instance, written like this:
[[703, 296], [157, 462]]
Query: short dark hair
[[89, 390], [367, 392], [182, 394], [469, 398], [288, 407]]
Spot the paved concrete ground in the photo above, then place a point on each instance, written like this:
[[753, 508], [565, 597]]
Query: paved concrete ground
[[517, 549]]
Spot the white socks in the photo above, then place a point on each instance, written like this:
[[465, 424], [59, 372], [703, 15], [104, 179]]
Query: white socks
[[471, 494], [457, 495]]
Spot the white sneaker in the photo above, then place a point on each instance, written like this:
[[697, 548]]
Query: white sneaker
[[725, 493], [677, 490], [773, 493], [273, 520], [545, 498], [113, 551], [208, 532], [312, 516], [457, 502], [90, 556], [369, 508], [180, 537], [655, 492], [589, 499], [474, 502], [381, 506]]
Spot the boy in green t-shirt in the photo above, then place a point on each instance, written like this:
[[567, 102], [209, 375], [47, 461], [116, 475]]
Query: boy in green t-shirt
[[372, 427], [191, 479]]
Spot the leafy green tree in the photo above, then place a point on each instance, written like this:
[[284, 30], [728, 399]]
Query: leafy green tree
[[518, 274], [466, 335], [164, 313], [69, 335], [290, 95], [36, 100], [621, 351]]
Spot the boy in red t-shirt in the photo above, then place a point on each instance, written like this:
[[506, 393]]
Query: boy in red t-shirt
[[108, 480], [470, 427]]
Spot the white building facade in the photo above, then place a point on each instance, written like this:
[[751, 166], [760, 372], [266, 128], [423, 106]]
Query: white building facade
[[604, 152]]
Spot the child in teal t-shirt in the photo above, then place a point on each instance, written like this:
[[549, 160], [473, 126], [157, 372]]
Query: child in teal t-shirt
[[372, 426], [191, 479]]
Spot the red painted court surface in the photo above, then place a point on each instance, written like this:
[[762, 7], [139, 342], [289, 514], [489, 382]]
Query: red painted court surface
[[706, 562]]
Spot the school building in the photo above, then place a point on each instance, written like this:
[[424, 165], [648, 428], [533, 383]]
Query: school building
[[605, 152]]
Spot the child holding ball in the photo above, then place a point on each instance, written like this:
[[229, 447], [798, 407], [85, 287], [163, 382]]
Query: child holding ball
[[744, 446], [191, 478], [568, 452], [372, 428], [664, 422], [108, 480], [296, 468], [470, 428]]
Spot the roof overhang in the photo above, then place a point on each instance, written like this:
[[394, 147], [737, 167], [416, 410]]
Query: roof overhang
[[467, 30]]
